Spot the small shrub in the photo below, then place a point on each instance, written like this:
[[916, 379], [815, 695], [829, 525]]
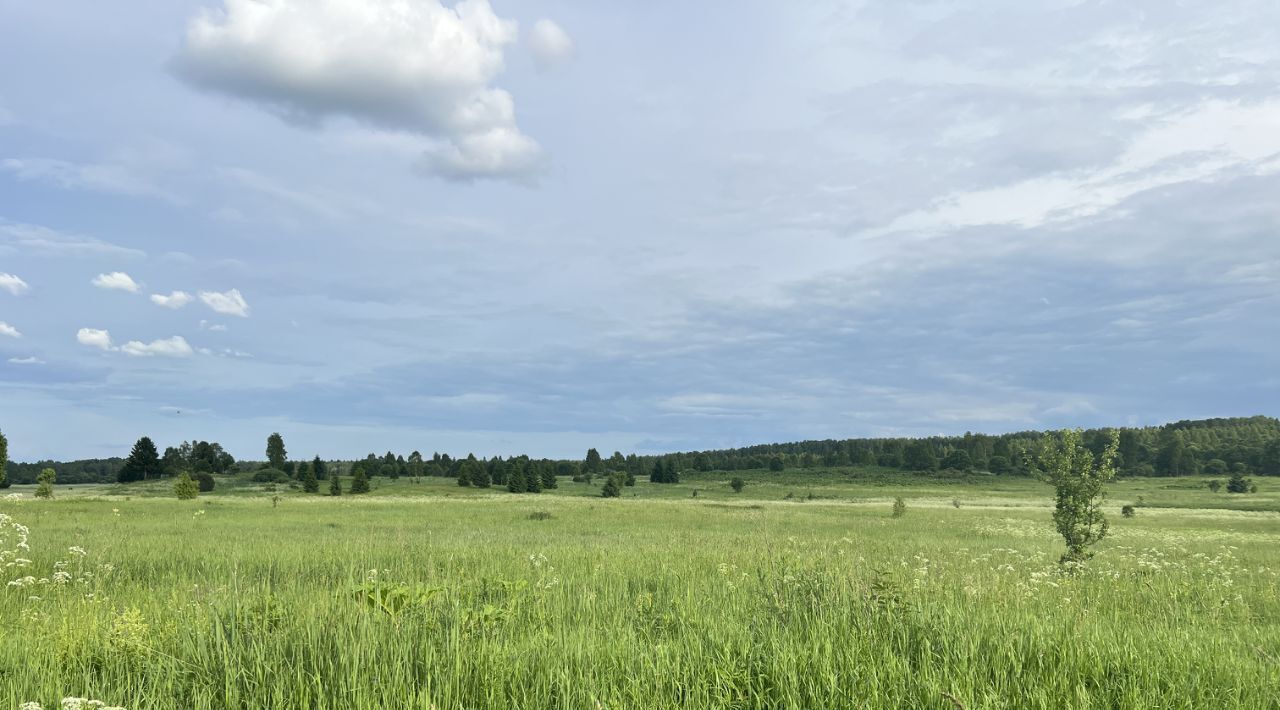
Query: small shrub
[[540, 515], [270, 475], [184, 487], [1215, 485], [611, 488], [1128, 511], [46, 479], [955, 502], [205, 482], [899, 508], [1238, 483], [737, 484]]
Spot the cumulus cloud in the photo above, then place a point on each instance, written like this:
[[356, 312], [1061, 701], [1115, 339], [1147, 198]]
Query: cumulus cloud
[[13, 284], [6, 329], [94, 338], [117, 281], [399, 65], [549, 44], [175, 300], [30, 360], [229, 303], [176, 346]]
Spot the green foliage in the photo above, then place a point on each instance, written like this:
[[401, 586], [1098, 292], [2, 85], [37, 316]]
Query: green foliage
[[1128, 511], [1238, 483], [4, 461], [776, 464], [899, 508], [919, 456], [1079, 480], [592, 464], [737, 484], [1215, 485], [611, 488], [44, 488], [359, 483], [321, 470], [276, 454], [335, 484], [270, 475], [184, 487], [205, 482], [143, 462], [310, 484]]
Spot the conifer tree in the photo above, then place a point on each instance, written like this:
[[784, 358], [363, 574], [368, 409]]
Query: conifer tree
[[310, 484], [359, 483], [515, 479], [532, 481], [611, 488], [319, 468], [184, 487], [335, 486]]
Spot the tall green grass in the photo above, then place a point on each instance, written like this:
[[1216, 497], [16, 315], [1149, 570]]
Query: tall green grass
[[735, 602]]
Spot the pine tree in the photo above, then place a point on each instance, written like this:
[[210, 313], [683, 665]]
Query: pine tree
[[319, 468], [359, 483], [548, 474], [185, 488], [143, 462], [515, 479], [335, 485], [532, 481], [310, 484]]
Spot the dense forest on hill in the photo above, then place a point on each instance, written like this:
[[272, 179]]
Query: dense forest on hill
[[1206, 446]]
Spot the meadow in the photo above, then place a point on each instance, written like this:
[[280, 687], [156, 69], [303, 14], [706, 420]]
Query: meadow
[[801, 592]]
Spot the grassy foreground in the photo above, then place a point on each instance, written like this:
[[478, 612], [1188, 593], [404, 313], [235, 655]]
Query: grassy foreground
[[562, 601]]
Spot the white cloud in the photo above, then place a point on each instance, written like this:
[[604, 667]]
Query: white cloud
[[30, 360], [229, 303], [94, 338], [549, 44], [175, 300], [82, 176], [116, 280], [6, 329], [13, 284], [212, 327], [401, 65], [176, 346]]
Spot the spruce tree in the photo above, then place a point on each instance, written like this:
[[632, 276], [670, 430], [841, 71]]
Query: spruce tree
[[359, 483], [548, 474], [532, 481], [310, 484], [319, 468], [143, 462], [515, 479], [335, 485], [184, 487]]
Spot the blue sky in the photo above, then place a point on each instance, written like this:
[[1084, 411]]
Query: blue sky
[[541, 226]]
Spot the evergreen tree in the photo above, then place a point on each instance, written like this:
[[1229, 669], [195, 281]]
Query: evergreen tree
[[310, 484], [532, 481], [276, 455], [46, 480], [476, 472], [359, 483], [335, 485], [611, 488], [515, 479], [548, 474], [4, 461], [318, 467], [185, 488], [1238, 483], [659, 473], [593, 464], [143, 462], [630, 477]]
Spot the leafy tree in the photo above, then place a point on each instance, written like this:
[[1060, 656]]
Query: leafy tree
[[143, 462], [1128, 511], [899, 508], [1269, 465], [359, 482], [919, 456], [776, 464], [1216, 467], [276, 455], [999, 465], [1078, 480], [46, 480], [737, 484], [185, 488], [335, 484], [630, 477], [416, 467], [205, 482], [617, 462], [4, 461], [1174, 458], [593, 464], [319, 468], [310, 484], [957, 460], [173, 461], [611, 488]]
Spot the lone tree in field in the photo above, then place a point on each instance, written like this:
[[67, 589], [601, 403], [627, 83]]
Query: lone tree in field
[[185, 488], [899, 508], [359, 482], [1078, 478], [1238, 483], [611, 488], [143, 462], [310, 484], [4, 461], [46, 479], [737, 484], [335, 486], [276, 455]]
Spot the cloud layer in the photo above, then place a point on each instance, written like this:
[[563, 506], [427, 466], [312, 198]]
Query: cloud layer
[[419, 67]]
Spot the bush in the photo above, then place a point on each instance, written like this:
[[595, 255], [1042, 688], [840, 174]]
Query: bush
[[1128, 511], [540, 515], [205, 482], [737, 484], [270, 475], [899, 508], [1238, 483], [46, 479], [611, 488], [185, 488], [1215, 485]]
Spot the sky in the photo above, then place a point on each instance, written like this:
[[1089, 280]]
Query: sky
[[536, 227]]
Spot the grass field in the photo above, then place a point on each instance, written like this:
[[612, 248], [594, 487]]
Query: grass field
[[430, 595]]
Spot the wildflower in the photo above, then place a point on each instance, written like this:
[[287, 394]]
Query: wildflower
[[77, 550], [33, 705]]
